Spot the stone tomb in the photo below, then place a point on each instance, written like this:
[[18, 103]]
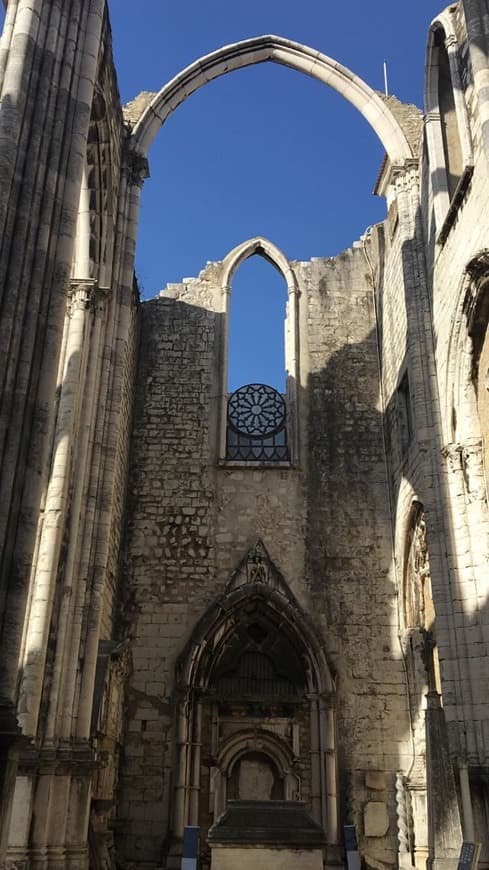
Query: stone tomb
[[266, 835]]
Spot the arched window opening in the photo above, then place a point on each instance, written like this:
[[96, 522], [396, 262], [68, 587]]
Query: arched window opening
[[479, 367], [452, 148], [256, 332], [256, 424], [448, 134]]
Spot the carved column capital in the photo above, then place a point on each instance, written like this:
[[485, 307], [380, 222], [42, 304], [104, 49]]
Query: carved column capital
[[79, 294], [86, 294]]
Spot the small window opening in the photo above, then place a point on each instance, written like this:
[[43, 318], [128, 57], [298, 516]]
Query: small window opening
[[405, 413]]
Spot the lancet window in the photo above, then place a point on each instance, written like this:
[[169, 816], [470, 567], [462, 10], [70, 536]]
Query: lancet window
[[448, 134], [259, 417]]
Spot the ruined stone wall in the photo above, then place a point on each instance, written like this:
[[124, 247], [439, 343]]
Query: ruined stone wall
[[170, 544], [348, 543], [325, 524]]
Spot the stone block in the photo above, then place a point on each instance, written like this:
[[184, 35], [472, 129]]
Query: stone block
[[375, 779], [375, 819]]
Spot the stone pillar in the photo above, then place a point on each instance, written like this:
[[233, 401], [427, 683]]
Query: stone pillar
[[194, 791], [48, 67], [315, 760], [61, 712], [479, 58], [444, 827], [468, 553], [55, 511], [135, 170]]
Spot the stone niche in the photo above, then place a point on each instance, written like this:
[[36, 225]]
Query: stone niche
[[266, 835]]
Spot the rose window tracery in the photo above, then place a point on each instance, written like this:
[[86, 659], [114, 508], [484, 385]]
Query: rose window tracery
[[256, 424]]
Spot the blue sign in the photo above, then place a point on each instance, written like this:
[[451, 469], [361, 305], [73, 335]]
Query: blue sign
[[350, 833], [351, 847], [190, 847], [469, 856]]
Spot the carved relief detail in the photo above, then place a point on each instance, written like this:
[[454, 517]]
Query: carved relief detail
[[257, 567]]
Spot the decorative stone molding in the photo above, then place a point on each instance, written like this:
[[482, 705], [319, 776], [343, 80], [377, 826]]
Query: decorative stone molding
[[402, 815], [398, 177]]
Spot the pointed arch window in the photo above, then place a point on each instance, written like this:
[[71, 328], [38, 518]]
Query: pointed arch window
[[258, 421]]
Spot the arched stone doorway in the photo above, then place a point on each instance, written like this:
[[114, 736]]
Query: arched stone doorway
[[255, 702]]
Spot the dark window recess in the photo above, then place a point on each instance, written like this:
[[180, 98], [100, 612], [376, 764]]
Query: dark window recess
[[405, 413], [448, 117], [255, 675], [257, 425]]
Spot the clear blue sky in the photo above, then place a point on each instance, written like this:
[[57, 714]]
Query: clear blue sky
[[265, 150]]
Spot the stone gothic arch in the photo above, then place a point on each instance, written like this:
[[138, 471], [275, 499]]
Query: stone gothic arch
[[241, 746], [262, 247], [282, 51], [257, 616]]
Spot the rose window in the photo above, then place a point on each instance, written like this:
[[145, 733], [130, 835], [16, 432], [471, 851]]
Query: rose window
[[256, 425]]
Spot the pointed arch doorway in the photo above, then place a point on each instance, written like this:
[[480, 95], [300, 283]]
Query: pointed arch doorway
[[255, 705]]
